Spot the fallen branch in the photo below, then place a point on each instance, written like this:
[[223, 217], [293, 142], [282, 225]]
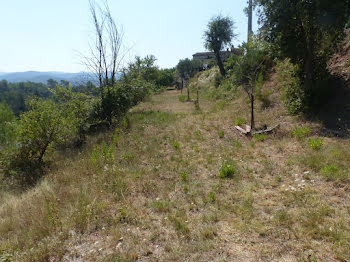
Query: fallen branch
[[266, 130], [245, 131]]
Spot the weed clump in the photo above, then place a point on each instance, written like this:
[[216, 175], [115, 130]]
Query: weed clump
[[176, 144], [228, 170], [221, 133], [333, 172], [315, 143], [184, 177], [240, 121]]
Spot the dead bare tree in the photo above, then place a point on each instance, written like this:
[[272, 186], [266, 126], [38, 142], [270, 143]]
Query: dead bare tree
[[106, 49]]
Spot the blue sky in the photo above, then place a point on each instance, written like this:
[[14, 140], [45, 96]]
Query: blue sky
[[46, 35]]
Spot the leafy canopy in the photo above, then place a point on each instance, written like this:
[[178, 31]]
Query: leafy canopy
[[186, 68], [304, 29], [219, 33]]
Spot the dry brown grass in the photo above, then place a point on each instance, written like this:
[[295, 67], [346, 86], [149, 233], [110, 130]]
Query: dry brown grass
[[152, 193]]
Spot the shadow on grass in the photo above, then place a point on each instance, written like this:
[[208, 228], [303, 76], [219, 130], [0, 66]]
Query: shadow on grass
[[334, 115]]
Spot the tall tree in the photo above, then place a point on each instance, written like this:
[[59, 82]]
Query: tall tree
[[219, 34], [306, 31]]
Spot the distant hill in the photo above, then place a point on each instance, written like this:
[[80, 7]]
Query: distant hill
[[35, 76]]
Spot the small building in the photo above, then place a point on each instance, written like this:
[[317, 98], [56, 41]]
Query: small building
[[207, 57]]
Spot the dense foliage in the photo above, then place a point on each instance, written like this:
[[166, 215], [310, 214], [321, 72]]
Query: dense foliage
[[306, 32], [186, 68], [15, 94]]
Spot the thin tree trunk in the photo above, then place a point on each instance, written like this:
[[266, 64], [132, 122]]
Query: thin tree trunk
[[220, 64], [252, 123], [188, 93], [250, 20], [182, 84], [252, 98]]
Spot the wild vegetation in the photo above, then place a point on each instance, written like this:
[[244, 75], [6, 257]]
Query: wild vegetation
[[131, 171]]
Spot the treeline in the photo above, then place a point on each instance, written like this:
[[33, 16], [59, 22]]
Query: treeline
[[60, 117], [15, 94]]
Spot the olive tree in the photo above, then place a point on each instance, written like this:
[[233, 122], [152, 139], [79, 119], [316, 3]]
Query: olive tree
[[218, 35]]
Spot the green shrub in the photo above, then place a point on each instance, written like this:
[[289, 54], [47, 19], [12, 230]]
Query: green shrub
[[300, 132], [333, 172], [7, 119], [228, 170], [240, 121], [315, 143], [294, 96], [182, 98]]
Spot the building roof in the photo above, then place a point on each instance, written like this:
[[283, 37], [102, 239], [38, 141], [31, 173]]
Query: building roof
[[233, 50], [209, 53]]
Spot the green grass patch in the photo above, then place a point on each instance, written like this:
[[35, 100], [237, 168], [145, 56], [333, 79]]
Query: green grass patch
[[240, 121], [221, 133], [182, 98], [260, 137], [333, 172], [176, 144], [300, 132], [154, 117], [315, 143]]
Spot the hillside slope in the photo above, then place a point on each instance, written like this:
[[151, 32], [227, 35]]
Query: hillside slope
[[179, 184]]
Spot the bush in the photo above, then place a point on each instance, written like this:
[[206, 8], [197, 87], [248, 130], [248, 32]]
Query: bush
[[315, 143], [44, 126], [294, 96], [7, 119], [227, 170]]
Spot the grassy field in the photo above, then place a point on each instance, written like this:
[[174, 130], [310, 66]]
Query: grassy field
[[178, 184]]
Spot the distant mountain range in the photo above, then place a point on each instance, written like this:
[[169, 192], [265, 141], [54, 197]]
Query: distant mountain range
[[35, 76]]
